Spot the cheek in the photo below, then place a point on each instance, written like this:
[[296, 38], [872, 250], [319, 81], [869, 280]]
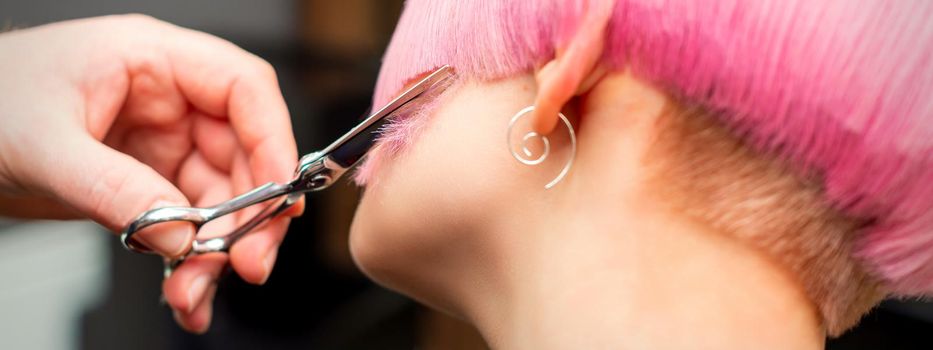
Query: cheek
[[441, 194], [423, 198]]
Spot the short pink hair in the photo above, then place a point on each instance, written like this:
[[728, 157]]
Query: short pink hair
[[838, 88]]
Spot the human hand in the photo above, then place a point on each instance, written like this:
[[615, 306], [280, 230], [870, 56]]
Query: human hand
[[107, 117]]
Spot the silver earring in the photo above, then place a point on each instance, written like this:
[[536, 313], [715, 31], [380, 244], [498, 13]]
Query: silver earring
[[526, 153]]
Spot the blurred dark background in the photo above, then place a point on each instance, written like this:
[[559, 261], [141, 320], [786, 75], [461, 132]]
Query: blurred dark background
[[87, 292]]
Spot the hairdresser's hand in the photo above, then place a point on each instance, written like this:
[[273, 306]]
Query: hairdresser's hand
[[107, 117]]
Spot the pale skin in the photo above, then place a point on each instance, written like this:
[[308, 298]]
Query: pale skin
[[599, 261], [104, 118], [596, 262]]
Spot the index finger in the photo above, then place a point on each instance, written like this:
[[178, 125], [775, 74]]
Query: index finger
[[222, 80]]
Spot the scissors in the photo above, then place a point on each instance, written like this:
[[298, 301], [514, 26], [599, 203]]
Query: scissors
[[316, 171]]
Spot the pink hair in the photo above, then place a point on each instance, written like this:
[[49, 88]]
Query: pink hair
[[840, 88]]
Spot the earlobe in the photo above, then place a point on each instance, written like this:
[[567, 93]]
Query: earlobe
[[574, 69]]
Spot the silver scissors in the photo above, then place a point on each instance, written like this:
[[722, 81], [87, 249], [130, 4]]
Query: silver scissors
[[316, 171]]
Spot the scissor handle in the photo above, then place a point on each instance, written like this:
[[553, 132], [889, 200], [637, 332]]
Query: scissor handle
[[201, 216]]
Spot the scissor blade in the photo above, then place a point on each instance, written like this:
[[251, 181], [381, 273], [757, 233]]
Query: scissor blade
[[352, 146]]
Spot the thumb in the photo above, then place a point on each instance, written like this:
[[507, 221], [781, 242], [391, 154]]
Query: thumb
[[112, 188]]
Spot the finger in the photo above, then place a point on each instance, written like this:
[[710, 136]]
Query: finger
[[244, 88], [218, 144], [160, 147], [109, 187], [187, 285], [223, 80], [253, 257], [198, 321], [215, 140], [196, 176]]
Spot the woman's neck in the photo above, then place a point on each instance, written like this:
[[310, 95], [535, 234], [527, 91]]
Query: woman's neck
[[648, 281], [609, 267]]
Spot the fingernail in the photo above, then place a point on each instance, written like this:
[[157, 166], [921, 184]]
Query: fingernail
[[177, 316], [169, 239], [298, 209], [209, 300], [268, 262], [196, 291], [179, 320]]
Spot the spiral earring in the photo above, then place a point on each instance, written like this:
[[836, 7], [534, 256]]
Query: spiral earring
[[526, 153]]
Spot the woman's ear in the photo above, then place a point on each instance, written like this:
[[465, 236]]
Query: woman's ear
[[573, 70]]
